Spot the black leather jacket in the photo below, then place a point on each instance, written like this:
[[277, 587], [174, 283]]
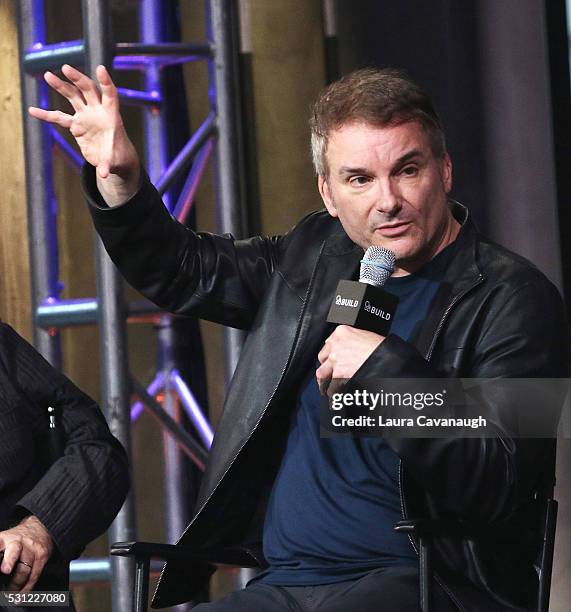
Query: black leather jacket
[[495, 315]]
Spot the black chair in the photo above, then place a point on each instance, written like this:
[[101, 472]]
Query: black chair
[[143, 552], [425, 530]]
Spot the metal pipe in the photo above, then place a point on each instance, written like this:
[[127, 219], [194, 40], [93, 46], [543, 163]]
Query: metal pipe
[[141, 595], [98, 569], [142, 62], [184, 204], [186, 154], [134, 97], [66, 149], [244, 16], [39, 185], [192, 408], [177, 512], [161, 48], [85, 311], [196, 453], [112, 330], [247, 120], [55, 313], [155, 386], [330, 40], [229, 162], [95, 569], [224, 102], [329, 18], [41, 57]]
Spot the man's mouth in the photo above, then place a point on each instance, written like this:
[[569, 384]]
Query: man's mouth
[[390, 230]]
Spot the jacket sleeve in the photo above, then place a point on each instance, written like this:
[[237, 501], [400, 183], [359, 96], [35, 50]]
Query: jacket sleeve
[[214, 277], [485, 479], [82, 491]]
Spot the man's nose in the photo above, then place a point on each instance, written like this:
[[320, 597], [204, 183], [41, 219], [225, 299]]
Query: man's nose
[[388, 199]]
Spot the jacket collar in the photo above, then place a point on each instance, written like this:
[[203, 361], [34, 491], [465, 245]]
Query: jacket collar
[[462, 275], [464, 268], [338, 244]]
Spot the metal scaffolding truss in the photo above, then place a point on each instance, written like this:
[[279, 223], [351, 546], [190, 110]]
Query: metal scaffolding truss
[[216, 137]]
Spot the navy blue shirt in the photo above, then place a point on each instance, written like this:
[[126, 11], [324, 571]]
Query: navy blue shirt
[[335, 500]]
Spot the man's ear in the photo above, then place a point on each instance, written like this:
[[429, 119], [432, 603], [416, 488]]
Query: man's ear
[[446, 173], [325, 193]]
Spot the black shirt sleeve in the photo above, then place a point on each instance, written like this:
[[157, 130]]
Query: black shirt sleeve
[[80, 493]]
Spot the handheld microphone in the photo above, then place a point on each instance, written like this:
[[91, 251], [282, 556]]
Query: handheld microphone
[[364, 304]]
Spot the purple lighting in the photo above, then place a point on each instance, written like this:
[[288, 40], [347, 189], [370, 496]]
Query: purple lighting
[[136, 97], [152, 389], [193, 409], [66, 149], [186, 199]]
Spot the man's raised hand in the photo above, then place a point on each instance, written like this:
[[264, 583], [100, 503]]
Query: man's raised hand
[[98, 130]]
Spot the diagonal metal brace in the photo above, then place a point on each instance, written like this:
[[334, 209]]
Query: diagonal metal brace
[[192, 448]]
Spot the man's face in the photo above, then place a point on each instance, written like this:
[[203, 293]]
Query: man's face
[[388, 189]]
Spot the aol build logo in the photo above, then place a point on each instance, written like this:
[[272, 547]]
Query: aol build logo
[[377, 311], [341, 301]]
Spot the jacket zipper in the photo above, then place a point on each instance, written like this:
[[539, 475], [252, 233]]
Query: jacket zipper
[[454, 301], [439, 327], [291, 353]]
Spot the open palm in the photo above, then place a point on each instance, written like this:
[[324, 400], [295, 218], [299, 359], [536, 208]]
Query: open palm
[[96, 123]]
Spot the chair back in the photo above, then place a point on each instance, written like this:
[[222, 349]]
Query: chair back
[[546, 531], [545, 565]]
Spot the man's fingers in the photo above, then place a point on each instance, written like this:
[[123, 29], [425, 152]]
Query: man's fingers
[[323, 354], [323, 375], [19, 576], [27, 560], [57, 117], [335, 386], [109, 96], [103, 170], [68, 91], [83, 83], [37, 568], [11, 555]]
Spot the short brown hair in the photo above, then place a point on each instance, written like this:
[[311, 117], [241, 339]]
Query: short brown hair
[[379, 97]]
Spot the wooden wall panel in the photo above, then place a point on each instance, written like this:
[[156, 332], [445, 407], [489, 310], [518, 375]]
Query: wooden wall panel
[[289, 71], [14, 260]]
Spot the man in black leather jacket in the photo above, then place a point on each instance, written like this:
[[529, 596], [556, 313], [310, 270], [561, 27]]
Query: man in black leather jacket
[[384, 175]]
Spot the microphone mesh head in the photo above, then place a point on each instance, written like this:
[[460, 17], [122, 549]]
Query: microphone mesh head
[[377, 265]]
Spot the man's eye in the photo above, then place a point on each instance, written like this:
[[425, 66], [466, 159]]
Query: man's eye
[[409, 171], [358, 181]]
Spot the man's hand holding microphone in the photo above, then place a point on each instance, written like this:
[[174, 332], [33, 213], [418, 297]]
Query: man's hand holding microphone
[[364, 313]]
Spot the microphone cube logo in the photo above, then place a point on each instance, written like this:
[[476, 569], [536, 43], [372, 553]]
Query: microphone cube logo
[[363, 306]]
